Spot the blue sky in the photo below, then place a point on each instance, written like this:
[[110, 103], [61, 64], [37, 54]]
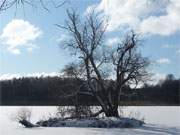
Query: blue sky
[[29, 40]]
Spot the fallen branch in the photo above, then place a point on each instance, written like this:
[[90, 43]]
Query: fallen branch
[[27, 124]]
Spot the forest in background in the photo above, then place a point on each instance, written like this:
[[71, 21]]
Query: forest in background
[[62, 91]]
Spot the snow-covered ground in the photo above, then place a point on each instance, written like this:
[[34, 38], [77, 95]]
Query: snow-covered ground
[[160, 120]]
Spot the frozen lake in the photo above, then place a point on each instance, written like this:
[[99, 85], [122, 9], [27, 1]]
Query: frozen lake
[[160, 120]]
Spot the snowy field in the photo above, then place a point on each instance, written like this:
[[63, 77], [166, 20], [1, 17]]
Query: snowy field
[[160, 121]]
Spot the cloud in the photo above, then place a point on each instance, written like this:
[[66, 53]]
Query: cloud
[[62, 38], [163, 61], [174, 47], [145, 16], [19, 33], [43, 74], [166, 24], [178, 51], [112, 41], [90, 9], [14, 51], [168, 46], [156, 78]]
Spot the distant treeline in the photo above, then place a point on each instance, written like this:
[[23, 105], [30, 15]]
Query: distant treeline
[[59, 91]]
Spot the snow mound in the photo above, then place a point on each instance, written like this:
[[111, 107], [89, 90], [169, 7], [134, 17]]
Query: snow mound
[[110, 122]]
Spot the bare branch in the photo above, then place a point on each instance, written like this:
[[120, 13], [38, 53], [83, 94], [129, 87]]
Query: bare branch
[[6, 4], [129, 65]]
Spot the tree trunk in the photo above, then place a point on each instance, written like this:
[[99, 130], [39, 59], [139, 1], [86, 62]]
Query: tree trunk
[[112, 112]]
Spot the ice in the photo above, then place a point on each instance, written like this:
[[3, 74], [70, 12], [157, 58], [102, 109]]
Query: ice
[[160, 121]]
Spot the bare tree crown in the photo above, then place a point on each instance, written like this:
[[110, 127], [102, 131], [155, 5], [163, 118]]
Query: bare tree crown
[[86, 40]]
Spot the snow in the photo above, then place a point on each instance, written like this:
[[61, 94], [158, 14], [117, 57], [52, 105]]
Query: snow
[[147, 130], [160, 121]]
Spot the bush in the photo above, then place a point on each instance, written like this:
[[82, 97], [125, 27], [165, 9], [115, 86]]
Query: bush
[[22, 114], [74, 111]]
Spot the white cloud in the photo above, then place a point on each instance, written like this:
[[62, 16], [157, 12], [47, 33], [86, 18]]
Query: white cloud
[[14, 51], [43, 74], [168, 46], [19, 33], [156, 78], [30, 49], [178, 51], [163, 61], [62, 38], [90, 9], [112, 41], [166, 24], [145, 16]]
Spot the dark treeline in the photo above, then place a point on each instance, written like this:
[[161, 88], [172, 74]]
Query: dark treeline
[[165, 92], [59, 91]]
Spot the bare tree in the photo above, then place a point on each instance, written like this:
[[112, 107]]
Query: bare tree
[[74, 111], [6, 4], [86, 40], [73, 70], [22, 114]]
